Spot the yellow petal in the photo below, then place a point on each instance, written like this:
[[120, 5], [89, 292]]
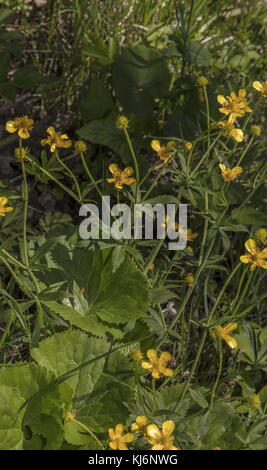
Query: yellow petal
[[251, 246], [128, 437], [10, 127], [146, 365], [119, 428], [258, 86], [168, 427], [231, 327], [152, 354], [3, 200], [113, 168], [113, 445], [221, 99], [155, 144], [245, 259], [142, 420], [231, 341], [242, 93], [165, 356], [127, 171], [24, 133], [51, 131], [153, 431], [237, 134]]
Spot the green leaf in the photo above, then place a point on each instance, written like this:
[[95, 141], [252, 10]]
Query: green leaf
[[250, 216], [139, 75], [118, 254], [95, 101], [63, 352], [104, 132], [5, 14], [198, 398], [18, 384]]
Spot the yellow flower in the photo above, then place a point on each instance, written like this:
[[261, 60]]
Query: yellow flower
[[234, 106], [157, 365], [229, 130], [137, 354], [254, 401], [161, 440], [140, 425], [261, 87], [255, 256], [119, 440], [189, 279], [4, 210], [202, 81], [120, 177], [222, 333], [56, 140], [188, 234], [22, 125], [152, 267], [164, 152], [188, 146], [256, 130], [122, 122], [21, 153], [228, 174], [175, 226], [70, 416], [261, 235], [216, 448], [80, 146]]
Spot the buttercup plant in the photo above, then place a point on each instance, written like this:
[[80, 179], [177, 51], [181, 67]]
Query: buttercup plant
[[133, 231]]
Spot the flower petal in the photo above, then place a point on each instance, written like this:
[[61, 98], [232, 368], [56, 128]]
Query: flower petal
[[251, 246], [168, 427]]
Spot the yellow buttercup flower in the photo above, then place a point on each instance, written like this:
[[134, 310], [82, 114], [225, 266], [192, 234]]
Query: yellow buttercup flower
[[256, 130], [161, 440], [255, 256], [122, 122], [137, 355], [140, 425], [222, 333], [151, 267], [254, 401], [119, 440], [22, 125], [189, 279], [157, 365], [234, 105], [229, 130], [261, 235], [261, 87], [80, 146], [188, 234], [174, 226], [120, 177], [228, 174], [4, 210], [21, 153], [202, 81], [56, 140], [188, 146], [164, 152], [70, 415]]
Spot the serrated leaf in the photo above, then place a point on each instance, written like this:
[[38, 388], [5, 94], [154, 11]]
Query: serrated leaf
[[63, 352]]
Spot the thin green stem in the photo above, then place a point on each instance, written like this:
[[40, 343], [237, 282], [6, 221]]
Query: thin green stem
[[71, 174]]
